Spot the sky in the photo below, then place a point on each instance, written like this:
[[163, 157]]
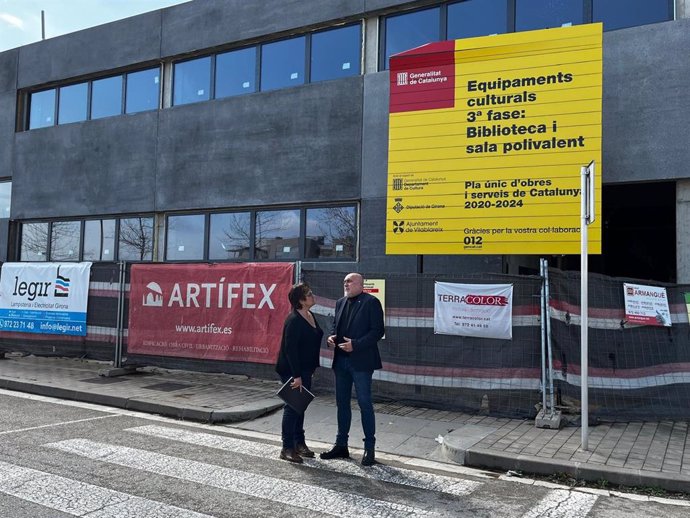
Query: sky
[[20, 20]]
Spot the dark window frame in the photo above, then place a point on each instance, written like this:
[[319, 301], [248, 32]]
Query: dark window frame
[[212, 76], [123, 90], [207, 233], [78, 257], [30, 94], [307, 44], [58, 95], [335, 28], [204, 244], [125, 77], [116, 220], [257, 69]]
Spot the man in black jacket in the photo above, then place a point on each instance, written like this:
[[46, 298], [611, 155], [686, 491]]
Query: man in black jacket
[[357, 328]]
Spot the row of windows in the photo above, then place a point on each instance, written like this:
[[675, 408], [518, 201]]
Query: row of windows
[[125, 239], [330, 54], [126, 93], [289, 234], [327, 54], [469, 18], [320, 56]]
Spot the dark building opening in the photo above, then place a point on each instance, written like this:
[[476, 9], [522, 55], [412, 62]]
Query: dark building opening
[[638, 234]]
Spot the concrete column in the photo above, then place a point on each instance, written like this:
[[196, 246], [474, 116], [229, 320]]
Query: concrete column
[[683, 231], [682, 9], [167, 85], [371, 45]]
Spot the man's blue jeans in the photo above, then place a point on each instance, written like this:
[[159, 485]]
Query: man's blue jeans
[[345, 376], [293, 422]]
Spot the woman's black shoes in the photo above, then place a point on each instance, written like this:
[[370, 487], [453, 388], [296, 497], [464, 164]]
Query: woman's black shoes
[[290, 455], [337, 452], [304, 451]]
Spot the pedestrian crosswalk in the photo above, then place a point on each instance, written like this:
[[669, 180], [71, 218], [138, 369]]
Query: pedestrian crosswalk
[[378, 472], [304, 488], [78, 498]]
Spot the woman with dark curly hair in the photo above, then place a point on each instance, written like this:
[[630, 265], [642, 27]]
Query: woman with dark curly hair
[[298, 359]]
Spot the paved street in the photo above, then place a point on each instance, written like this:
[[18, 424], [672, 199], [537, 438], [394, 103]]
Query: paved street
[[638, 454], [62, 458]]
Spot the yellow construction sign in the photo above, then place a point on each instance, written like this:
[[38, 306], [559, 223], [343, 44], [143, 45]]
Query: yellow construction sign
[[487, 137]]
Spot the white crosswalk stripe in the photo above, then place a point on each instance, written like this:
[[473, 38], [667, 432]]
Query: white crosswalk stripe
[[295, 494], [81, 499], [561, 503], [381, 473]]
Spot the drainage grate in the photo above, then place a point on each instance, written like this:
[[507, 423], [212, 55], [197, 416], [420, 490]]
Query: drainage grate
[[168, 386], [103, 380]]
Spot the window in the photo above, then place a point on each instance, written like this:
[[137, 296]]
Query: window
[[277, 234], [42, 105], [282, 63], [477, 18], [73, 102], [106, 97], [410, 30], [5, 199], [34, 242], [185, 239], [192, 81], [236, 73], [136, 239], [331, 233], [618, 14], [229, 236], [543, 14], [142, 90], [65, 239], [99, 240], [335, 53]]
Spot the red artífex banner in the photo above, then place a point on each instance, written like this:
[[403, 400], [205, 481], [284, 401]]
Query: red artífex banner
[[232, 312]]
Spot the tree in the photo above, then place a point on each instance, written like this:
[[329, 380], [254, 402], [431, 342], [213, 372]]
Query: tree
[[136, 238]]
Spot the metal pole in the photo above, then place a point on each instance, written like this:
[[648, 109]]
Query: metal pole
[[298, 271], [43, 24], [548, 331], [120, 315], [584, 324], [543, 338]]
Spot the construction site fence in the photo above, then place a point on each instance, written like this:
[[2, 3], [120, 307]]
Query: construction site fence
[[635, 372]]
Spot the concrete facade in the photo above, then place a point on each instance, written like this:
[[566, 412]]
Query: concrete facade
[[322, 142]]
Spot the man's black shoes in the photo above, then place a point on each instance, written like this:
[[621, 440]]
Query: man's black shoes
[[304, 451], [337, 452], [368, 459], [290, 455]]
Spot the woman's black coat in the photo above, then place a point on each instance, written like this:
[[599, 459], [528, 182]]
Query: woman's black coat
[[299, 347]]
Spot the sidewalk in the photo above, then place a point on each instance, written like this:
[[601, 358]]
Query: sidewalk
[[655, 454]]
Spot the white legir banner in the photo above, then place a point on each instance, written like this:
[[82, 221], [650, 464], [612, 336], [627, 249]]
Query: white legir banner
[[646, 305], [48, 298], [482, 310]]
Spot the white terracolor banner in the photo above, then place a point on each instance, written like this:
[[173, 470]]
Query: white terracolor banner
[[481, 310], [47, 298]]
